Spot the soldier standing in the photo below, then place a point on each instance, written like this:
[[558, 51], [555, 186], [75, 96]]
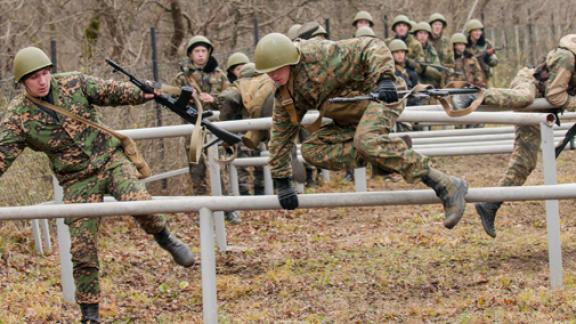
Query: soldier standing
[[555, 80], [440, 42], [235, 63], [87, 162], [429, 75], [308, 74], [466, 66], [363, 19], [480, 46], [401, 26]]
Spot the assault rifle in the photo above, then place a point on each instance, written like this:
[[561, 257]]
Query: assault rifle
[[440, 68], [425, 93], [181, 107]]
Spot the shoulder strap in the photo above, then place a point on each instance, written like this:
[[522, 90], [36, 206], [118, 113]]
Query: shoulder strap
[[69, 114], [287, 102]]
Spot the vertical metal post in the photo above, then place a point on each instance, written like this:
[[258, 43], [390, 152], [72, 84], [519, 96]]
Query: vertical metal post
[[385, 26], [37, 237], [208, 267], [360, 180], [327, 27], [256, 31], [268, 183], [552, 208], [234, 185], [530, 38], [299, 187], [45, 229], [156, 77], [216, 185], [325, 175], [53, 55], [64, 245]]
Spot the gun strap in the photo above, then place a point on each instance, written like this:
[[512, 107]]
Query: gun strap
[[197, 138], [567, 138], [128, 144], [450, 111], [287, 102]]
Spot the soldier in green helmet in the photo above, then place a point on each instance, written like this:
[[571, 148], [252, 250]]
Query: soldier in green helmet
[[466, 66], [440, 42], [363, 19], [428, 74], [235, 63], [399, 49], [401, 26], [480, 46], [365, 32], [201, 71], [87, 162], [309, 73], [553, 79]]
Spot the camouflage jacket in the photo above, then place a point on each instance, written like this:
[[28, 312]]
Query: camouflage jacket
[[560, 87], [431, 75], [487, 62], [247, 98], [326, 69], [409, 76], [443, 47], [212, 83], [415, 51], [468, 69], [74, 149]]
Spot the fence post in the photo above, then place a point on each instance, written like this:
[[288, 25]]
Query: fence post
[[552, 207], [327, 26], [256, 31], [37, 237], [530, 40], [360, 180], [216, 186], [208, 267], [158, 109], [385, 26], [64, 245]]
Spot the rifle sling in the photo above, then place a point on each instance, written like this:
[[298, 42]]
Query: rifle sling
[[567, 138]]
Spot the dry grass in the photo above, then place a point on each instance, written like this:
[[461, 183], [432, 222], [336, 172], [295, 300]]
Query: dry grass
[[334, 265]]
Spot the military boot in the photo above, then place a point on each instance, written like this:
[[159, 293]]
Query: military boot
[[179, 251], [452, 192], [233, 217], [487, 212], [89, 314]]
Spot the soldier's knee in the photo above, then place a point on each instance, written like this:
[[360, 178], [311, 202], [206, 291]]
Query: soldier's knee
[[362, 144]]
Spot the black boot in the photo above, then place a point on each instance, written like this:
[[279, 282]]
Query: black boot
[[452, 191], [180, 252], [89, 313], [487, 212]]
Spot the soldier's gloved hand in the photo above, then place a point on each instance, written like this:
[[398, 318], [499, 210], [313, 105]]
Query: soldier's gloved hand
[[286, 194], [386, 90]]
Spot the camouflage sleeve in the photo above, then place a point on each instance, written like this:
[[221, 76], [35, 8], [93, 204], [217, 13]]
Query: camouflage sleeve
[[230, 104], [12, 141], [491, 60], [282, 142], [416, 52], [109, 92], [448, 54], [561, 65], [378, 59]]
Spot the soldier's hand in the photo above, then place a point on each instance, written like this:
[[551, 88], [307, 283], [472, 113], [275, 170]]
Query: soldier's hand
[[206, 97], [490, 51], [386, 90], [286, 194]]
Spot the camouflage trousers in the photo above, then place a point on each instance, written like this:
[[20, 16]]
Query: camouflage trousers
[[335, 147], [524, 156], [248, 181], [119, 178]]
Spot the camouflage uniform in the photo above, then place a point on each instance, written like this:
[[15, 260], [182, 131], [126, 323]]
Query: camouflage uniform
[[212, 80], [443, 47], [479, 51], [87, 162], [468, 69], [248, 97], [415, 50], [430, 75], [356, 136]]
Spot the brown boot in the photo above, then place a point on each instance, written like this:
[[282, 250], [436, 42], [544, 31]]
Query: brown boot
[[452, 191]]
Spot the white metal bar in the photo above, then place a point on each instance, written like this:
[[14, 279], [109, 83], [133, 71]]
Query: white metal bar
[[216, 184], [360, 180], [552, 208], [64, 246], [208, 267], [45, 229], [325, 175], [37, 237], [268, 183], [234, 184]]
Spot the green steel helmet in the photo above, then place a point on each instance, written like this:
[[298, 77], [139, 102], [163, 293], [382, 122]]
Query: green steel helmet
[[363, 15], [28, 60], [437, 17], [401, 19], [568, 42], [274, 51], [365, 31], [422, 26], [199, 40], [473, 24], [293, 31], [397, 45], [459, 38], [320, 32], [237, 58]]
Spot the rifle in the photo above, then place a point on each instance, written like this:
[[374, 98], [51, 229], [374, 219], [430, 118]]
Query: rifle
[[440, 68], [481, 54], [182, 107], [425, 93]]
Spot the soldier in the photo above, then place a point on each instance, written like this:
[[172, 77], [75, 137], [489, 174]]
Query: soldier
[[365, 32], [440, 42], [293, 31], [235, 64], [480, 46], [428, 74], [399, 49], [251, 96], [555, 80], [87, 162], [312, 30], [201, 72], [363, 19], [308, 74], [401, 26], [466, 66]]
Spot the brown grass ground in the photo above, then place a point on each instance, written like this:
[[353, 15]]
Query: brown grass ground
[[335, 265]]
